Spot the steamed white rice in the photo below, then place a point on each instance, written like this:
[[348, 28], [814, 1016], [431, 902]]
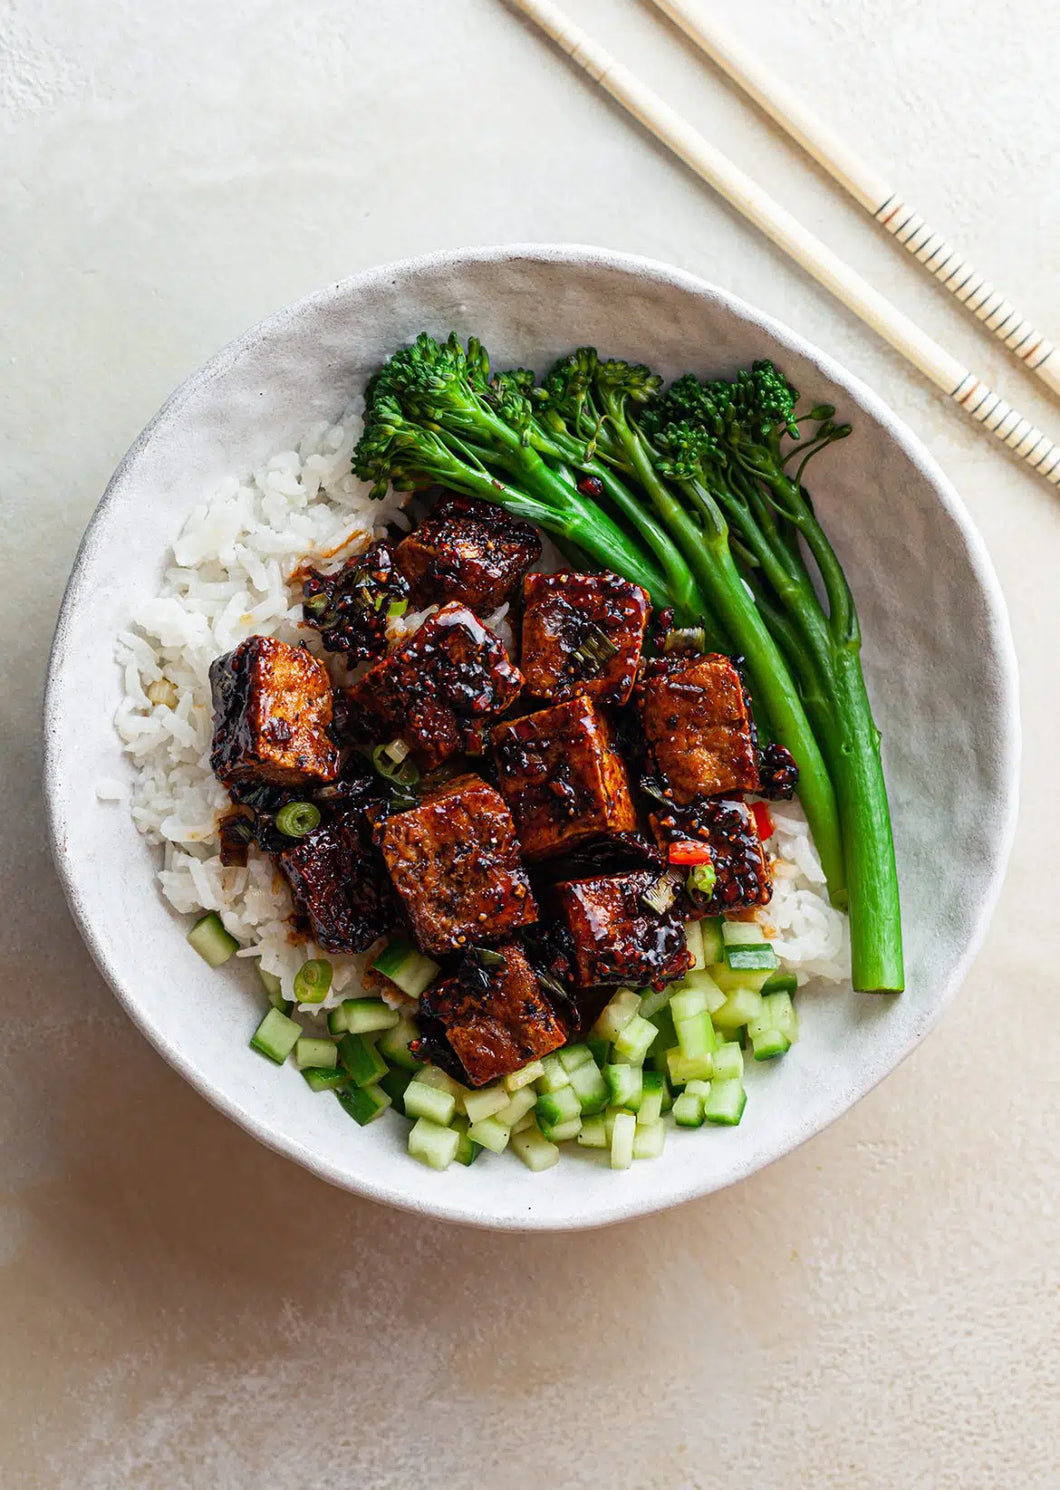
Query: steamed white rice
[[227, 579]]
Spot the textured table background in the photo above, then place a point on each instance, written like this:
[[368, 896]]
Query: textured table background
[[182, 1308]]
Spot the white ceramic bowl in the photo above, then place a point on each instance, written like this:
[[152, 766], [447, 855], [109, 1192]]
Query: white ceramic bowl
[[937, 652]]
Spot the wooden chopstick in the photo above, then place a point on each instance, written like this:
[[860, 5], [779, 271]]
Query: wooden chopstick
[[974, 397], [866, 186]]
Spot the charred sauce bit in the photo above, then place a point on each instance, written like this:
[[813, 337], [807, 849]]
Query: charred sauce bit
[[777, 772], [350, 608]]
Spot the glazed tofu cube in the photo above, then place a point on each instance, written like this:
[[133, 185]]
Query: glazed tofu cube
[[728, 828], [698, 727], [582, 634], [455, 863], [617, 936], [272, 710], [495, 1024], [438, 692], [339, 887], [562, 777], [469, 551]]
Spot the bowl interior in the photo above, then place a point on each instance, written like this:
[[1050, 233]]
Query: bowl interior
[[937, 655]]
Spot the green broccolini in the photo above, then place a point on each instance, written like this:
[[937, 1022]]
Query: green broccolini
[[688, 493]]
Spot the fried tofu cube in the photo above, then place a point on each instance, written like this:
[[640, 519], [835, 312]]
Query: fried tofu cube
[[272, 709], [455, 863], [338, 886], [562, 777], [582, 634], [698, 727], [497, 1024], [742, 875], [469, 551], [437, 692], [617, 936]]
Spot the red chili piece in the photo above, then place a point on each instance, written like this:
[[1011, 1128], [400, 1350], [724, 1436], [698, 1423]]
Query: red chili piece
[[763, 820]]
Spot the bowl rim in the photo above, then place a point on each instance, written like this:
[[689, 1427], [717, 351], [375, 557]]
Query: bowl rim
[[581, 255]]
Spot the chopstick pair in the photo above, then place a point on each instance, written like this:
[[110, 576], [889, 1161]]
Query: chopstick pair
[[945, 371]]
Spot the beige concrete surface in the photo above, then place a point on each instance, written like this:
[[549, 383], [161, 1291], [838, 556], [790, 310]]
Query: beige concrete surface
[[179, 1307]]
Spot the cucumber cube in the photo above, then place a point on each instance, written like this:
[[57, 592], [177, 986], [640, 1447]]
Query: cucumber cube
[[519, 1104], [554, 1108], [623, 1134], [598, 1049], [695, 1035], [361, 1059], [725, 1102], [533, 1072], [686, 1002], [365, 1015], [652, 1000], [617, 1014], [742, 934], [648, 1140], [780, 1011], [535, 1151], [625, 1085], [363, 1103], [395, 1084], [432, 1143], [728, 980], [309, 1052], [713, 945], [769, 1043], [561, 1132], [394, 1044], [589, 1087], [528, 1120], [554, 1075], [485, 1102], [780, 983], [754, 958], [651, 1098], [694, 943], [573, 1056], [325, 1078], [683, 1069], [210, 939], [728, 1061], [594, 1133], [467, 1150], [688, 1110], [635, 1039], [490, 1134], [425, 1101], [740, 1007], [276, 1036]]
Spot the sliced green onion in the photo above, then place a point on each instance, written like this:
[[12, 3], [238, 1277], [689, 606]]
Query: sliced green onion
[[397, 750], [312, 981], [686, 639], [701, 879], [297, 819], [661, 896], [488, 959], [397, 608], [316, 605], [595, 649], [400, 771]]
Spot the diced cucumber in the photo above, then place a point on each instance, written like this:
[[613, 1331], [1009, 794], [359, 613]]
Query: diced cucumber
[[561, 1132], [533, 1072], [728, 1061], [490, 1134], [780, 1011], [558, 1107], [625, 1085], [337, 1020], [394, 1083], [609, 1121], [528, 1120], [667, 1036], [683, 1069], [768, 1043], [573, 1056], [406, 967], [276, 1036], [725, 1102], [432, 1143], [651, 1100], [394, 1043], [695, 1035], [704, 984], [617, 1014], [425, 1101], [273, 987], [652, 1000], [742, 934], [363, 1103], [599, 1049], [210, 939], [667, 1094], [521, 1102], [713, 945], [742, 1005], [688, 1110], [780, 983], [694, 943], [686, 1002], [648, 1139], [590, 1087], [594, 1133], [308, 1052], [467, 1150], [553, 1075], [535, 1151], [363, 1016], [442, 1082], [361, 1058], [728, 979], [485, 1102], [325, 1078], [700, 1089], [635, 1039], [623, 1135], [756, 959]]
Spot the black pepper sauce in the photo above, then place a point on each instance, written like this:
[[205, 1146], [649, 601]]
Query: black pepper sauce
[[727, 826]]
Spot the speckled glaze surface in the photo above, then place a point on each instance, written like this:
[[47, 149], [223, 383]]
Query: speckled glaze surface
[[937, 653]]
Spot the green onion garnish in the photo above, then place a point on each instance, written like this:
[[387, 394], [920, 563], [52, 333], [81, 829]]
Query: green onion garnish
[[701, 879], [595, 648], [312, 981], [487, 958], [661, 896], [397, 608], [394, 766], [315, 606], [686, 639], [297, 819]]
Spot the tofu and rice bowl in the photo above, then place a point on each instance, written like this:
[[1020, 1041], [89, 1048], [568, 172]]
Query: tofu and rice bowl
[[503, 726]]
